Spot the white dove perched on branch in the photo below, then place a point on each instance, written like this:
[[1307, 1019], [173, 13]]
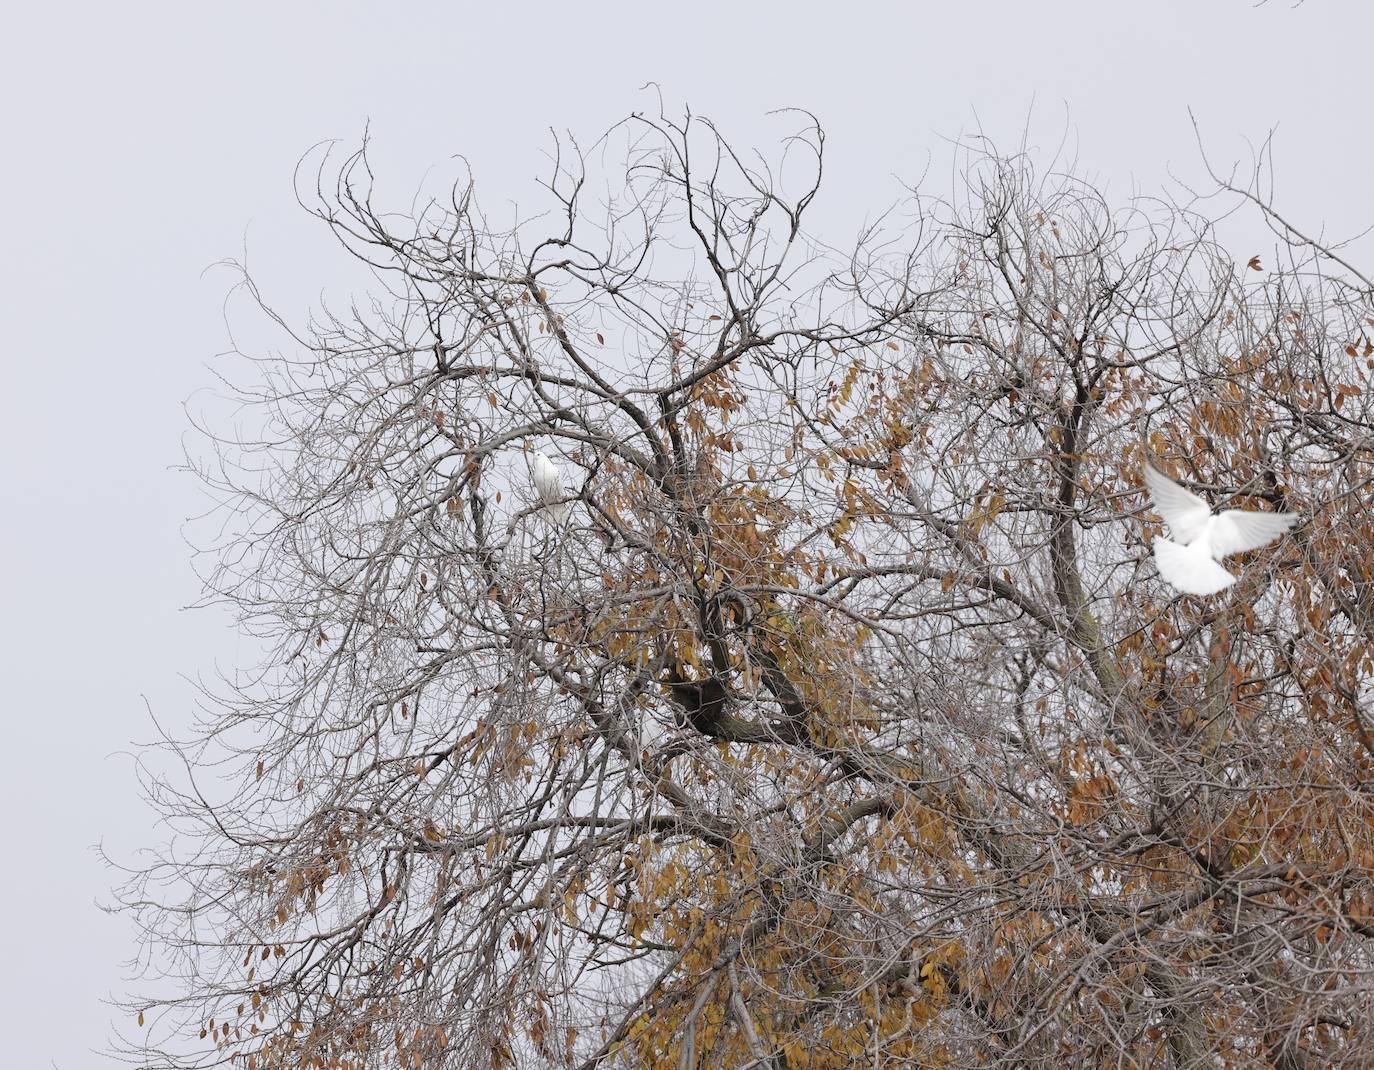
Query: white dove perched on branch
[[1202, 538], [548, 483]]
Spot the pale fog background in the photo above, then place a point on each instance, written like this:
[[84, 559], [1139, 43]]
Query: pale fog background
[[144, 142]]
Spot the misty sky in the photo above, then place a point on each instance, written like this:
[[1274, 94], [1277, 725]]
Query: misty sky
[[144, 142]]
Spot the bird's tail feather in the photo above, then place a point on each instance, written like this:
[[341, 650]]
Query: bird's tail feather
[[1191, 571]]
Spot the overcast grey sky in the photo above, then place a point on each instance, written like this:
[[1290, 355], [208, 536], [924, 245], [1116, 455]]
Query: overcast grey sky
[[145, 141]]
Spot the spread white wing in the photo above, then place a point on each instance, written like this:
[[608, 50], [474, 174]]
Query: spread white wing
[[1185, 513], [1234, 531]]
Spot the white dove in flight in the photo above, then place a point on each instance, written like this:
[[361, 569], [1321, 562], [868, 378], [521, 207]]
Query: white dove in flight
[[549, 485], [1202, 538]]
